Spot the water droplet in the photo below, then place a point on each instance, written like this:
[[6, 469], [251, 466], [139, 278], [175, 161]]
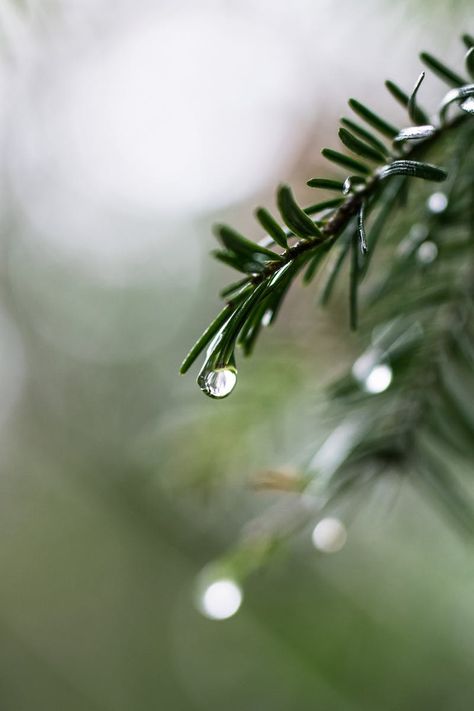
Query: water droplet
[[427, 252], [353, 183], [468, 105], [374, 377], [221, 599], [378, 379], [329, 535], [418, 232], [405, 248], [437, 203], [218, 383]]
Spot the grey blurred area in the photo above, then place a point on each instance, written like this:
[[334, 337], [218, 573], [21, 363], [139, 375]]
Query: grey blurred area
[[126, 130]]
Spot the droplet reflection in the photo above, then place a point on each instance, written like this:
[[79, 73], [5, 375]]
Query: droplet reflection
[[329, 535], [218, 383], [221, 599]]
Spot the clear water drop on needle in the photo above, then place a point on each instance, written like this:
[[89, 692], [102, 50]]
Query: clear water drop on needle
[[218, 383]]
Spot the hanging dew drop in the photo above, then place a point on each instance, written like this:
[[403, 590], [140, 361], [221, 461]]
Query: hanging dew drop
[[218, 383]]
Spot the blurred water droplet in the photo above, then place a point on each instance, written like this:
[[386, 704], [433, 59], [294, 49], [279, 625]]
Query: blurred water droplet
[[418, 232], [375, 377], [378, 379], [437, 203], [427, 252], [404, 248], [329, 535], [221, 599], [218, 383]]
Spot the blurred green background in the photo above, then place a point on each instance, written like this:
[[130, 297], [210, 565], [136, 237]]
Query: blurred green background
[[127, 129]]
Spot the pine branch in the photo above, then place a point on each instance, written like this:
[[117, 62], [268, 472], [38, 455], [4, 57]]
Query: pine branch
[[409, 391]]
